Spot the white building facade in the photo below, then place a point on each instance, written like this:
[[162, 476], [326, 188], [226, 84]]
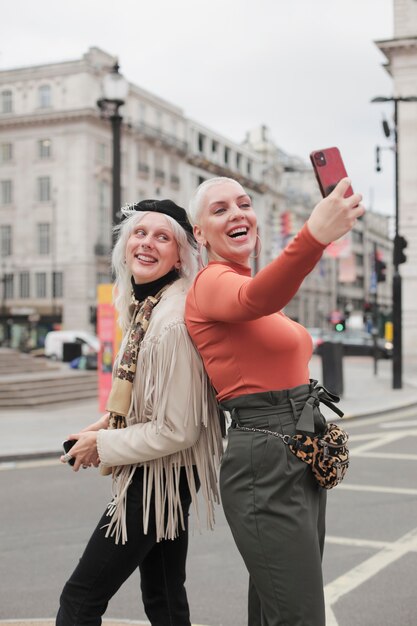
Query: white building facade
[[56, 182], [401, 54]]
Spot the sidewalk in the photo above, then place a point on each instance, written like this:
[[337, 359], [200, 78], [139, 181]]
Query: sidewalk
[[38, 432]]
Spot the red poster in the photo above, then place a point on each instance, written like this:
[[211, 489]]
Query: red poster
[[107, 335]]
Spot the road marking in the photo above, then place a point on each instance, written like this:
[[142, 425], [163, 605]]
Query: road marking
[[377, 442], [398, 424], [357, 543], [401, 491], [330, 616], [388, 455], [370, 567], [373, 421]]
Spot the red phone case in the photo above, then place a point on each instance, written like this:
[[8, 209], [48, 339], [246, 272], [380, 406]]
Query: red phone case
[[329, 170]]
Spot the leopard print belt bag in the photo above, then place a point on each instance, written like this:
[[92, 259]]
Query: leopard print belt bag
[[327, 453]]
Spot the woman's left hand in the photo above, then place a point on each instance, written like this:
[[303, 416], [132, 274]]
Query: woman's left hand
[[335, 215], [84, 451]]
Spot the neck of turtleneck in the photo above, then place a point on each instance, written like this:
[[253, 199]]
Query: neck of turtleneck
[[151, 289]]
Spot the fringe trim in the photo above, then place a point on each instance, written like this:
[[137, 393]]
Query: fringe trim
[[162, 476]]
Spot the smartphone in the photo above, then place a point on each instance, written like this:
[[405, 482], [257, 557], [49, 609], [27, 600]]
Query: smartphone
[[329, 170], [67, 445]]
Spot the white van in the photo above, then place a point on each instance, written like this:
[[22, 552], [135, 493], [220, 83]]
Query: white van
[[55, 340]]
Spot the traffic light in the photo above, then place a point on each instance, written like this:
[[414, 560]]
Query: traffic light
[[340, 326], [400, 243], [380, 268]]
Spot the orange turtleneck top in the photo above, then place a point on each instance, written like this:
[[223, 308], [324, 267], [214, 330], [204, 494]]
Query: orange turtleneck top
[[247, 343]]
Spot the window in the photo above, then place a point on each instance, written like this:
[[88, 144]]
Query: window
[[249, 168], [8, 285], [44, 148], [159, 165], [57, 284], [6, 191], [201, 141], [44, 95], [24, 282], [5, 240], [226, 155], [158, 119], [6, 152], [40, 284], [6, 101], [44, 189], [44, 239], [214, 146], [238, 160], [142, 112]]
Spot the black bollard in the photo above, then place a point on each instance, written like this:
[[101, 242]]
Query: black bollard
[[332, 366]]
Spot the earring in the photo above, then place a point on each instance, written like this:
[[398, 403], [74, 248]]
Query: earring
[[258, 248]]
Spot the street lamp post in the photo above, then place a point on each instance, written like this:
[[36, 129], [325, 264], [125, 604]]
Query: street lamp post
[[396, 283], [115, 90]]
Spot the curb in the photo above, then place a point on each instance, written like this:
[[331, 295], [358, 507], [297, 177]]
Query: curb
[[29, 456]]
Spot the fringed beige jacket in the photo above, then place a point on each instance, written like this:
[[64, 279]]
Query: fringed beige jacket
[[172, 422]]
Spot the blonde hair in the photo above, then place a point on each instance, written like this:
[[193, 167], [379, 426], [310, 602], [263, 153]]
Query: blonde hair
[[122, 289], [196, 203]]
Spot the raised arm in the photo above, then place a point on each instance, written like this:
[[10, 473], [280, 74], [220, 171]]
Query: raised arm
[[222, 294]]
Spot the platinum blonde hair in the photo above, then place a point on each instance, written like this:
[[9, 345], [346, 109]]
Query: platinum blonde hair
[[196, 204], [122, 289]]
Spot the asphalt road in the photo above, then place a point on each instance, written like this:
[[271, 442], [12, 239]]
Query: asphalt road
[[47, 513]]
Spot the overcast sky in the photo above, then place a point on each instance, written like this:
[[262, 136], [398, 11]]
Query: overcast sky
[[307, 69]]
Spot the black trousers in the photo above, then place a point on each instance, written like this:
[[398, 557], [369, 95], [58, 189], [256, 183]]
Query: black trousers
[[105, 566], [275, 510]]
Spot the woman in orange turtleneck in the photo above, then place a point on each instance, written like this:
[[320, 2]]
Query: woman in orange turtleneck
[[257, 359]]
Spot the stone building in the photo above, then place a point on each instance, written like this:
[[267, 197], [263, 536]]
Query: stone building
[[401, 55], [56, 181]]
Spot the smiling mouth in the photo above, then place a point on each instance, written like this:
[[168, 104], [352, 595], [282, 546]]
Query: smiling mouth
[[144, 258], [240, 231]]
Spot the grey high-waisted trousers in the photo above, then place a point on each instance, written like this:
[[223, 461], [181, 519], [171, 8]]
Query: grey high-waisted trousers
[[275, 509]]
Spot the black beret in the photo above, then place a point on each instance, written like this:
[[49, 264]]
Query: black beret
[[168, 207]]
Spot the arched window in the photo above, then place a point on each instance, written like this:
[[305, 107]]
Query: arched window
[[44, 93], [6, 101]]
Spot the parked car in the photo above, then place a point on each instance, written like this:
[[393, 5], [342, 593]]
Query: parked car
[[54, 342], [361, 343]]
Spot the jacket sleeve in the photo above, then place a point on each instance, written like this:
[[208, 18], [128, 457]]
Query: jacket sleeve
[[175, 380], [221, 294]]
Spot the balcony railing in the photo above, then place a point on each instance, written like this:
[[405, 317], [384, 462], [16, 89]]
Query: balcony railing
[[150, 132]]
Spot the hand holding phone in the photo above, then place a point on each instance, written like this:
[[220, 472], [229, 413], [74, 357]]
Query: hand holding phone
[[329, 170], [67, 445]]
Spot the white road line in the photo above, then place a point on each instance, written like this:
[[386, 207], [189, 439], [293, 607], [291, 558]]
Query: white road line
[[330, 616], [401, 491], [387, 455], [398, 424], [375, 421], [358, 543], [380, 440], [371, 567]]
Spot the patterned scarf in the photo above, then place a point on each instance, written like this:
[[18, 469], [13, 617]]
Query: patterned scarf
[[120, 397]]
